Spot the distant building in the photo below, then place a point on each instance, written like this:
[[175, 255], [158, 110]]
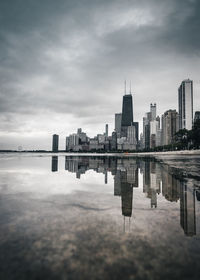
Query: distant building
[[101, 138], [170, 125], [153, 111], [82, 136], [106, 130], [159, 138], [185, 104], [72, 142], [136, 125], [146, 129], [95, 145], [114, 141], [154, 126], [118, 120], [55, 143]]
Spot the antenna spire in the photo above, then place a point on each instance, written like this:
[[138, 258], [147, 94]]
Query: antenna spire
[[125, 87], [130, 87]]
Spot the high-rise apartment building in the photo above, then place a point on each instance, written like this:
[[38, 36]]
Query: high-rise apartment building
[[170, 125], [185, 104], [118, 121], [55, 143]]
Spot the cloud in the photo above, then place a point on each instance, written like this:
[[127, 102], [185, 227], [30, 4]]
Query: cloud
[[68, 59]]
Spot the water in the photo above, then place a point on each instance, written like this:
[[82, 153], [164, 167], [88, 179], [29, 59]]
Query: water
[[72, 217]]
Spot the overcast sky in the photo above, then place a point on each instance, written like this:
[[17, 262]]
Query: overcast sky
[[63, 63]]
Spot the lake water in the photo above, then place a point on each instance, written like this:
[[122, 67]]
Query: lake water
[[97, 217]]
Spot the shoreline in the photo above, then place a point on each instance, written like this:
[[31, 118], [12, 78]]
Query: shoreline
[[141, 154]]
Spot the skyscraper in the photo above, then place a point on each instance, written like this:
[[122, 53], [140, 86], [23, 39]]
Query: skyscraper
[[185, 104], [153, 111], [55, 143], [118, 121], [127, 113], [170, 125], [106, 130]]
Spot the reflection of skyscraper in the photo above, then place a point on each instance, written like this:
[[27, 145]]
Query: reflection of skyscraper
[[152, 181], [117, 183], [125, 179], [187, 209], [54, 164], [106, 177], [126, 196], [170, 185]]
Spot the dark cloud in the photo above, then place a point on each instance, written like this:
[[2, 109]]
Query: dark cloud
[[69, 58]]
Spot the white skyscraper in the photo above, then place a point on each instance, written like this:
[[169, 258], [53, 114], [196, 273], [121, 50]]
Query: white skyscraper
[[185, 104]]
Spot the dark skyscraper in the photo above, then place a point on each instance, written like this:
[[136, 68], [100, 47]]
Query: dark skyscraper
[[127, 110], [55, 143], [127, 113]]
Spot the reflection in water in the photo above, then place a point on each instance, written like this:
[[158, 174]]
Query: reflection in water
[[187, 209], [54, 164], [156, 180]]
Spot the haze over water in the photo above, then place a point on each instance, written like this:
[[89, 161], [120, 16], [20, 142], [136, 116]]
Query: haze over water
[[98, 217]]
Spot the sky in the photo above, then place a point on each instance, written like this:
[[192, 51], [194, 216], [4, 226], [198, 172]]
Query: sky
[[63, 64]]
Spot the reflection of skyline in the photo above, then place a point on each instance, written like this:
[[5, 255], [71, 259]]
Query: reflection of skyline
[[157, 180]]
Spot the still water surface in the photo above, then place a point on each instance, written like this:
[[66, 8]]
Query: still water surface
[[89, 217]]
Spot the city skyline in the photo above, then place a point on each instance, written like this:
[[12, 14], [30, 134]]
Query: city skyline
[[63, 65]]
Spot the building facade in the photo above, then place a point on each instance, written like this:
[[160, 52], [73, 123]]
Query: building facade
[[127, 114], [170, 125], [118, 121], [55, 143], [185, 104]]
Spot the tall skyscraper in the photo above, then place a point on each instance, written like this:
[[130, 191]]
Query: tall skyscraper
[[185, 104], [127, 112], [55, 143]]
